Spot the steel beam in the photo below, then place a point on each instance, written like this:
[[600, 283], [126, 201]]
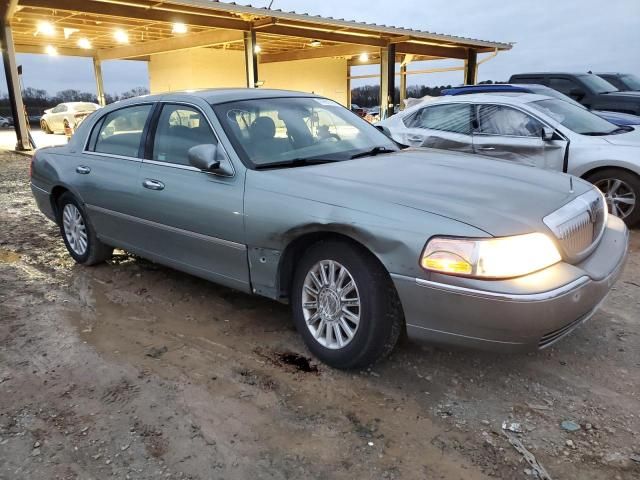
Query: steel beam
[[403, 85], [471, 68], [318, 52], [97, 72], [13, 84], [387, 80], [251, 58]]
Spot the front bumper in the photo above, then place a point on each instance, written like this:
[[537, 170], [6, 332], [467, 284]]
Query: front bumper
[[521, 314]]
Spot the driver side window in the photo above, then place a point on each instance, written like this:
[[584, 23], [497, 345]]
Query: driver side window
[[507, 121]]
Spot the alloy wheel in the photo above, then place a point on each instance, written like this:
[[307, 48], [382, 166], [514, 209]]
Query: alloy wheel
[[74, 229], [331, 304], [619, 196]]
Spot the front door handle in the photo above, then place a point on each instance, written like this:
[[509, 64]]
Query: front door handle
[[82, 169], [486, 148], [415, 138], [152, 184]]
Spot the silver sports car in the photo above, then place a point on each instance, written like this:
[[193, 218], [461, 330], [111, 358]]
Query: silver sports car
[[291, 196], [535, 130]]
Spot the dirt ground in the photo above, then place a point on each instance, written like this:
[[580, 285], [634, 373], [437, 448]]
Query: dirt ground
[[135, 371]]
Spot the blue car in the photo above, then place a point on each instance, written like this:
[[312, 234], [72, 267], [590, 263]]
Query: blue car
[[616, 118]]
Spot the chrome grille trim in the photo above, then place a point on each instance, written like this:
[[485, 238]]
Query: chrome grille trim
[[579, 224]]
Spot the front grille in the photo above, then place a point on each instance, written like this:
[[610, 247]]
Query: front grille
[[579, 224]]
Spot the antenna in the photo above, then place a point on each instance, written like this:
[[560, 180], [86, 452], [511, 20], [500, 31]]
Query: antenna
[[570, 184], [270, 3]]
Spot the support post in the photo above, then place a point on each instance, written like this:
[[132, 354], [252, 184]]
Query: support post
[[97, 72], [471, 68], [13, 84], [348, 84], [403, 84], [251, 58], [387, 80]]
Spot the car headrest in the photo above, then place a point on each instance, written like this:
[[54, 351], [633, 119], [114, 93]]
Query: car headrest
[[263, 128]]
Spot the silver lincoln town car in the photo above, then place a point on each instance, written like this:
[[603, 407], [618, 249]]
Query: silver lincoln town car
[[291, 196]]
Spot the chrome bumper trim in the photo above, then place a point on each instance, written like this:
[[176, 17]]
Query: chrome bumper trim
[[512, 297]]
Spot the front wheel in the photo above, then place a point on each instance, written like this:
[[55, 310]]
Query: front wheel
[[44, 126], [621, 190], [345, 305], [78, 233]]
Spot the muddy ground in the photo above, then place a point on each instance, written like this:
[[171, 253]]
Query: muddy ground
[[132, 370]]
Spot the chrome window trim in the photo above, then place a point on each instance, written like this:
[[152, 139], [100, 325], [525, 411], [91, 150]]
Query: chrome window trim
[[215, 134], [111, 155], [151, 223], [512, 297]]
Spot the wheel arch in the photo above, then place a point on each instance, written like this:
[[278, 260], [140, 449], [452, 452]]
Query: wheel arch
[[600, 168]]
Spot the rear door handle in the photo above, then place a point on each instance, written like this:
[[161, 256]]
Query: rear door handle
[[153, 184], [486, 148], [82, 169]]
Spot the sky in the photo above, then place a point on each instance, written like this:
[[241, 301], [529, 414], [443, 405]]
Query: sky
[[566, 35]]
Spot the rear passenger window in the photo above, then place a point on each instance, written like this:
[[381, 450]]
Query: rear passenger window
[[450, 118], [179, 128], [563, 85], [121, 131]]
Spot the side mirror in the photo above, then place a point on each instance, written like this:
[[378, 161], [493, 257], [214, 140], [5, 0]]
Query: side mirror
[[384, 130], [547, 133], [577, 94], [209, 158]]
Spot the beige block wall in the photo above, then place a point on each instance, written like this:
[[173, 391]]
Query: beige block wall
[[215, 68]]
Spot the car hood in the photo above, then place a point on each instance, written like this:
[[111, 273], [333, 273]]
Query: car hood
[[492, 195], [618, 118]]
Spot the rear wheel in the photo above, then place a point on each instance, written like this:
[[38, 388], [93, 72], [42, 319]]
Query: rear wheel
[[345, 305], [621, 190], [78, 233], [44, 126]]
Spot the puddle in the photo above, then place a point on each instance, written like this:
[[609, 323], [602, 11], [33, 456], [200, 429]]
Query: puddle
[[7, 256]]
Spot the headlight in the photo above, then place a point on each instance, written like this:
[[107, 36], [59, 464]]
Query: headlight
[[504, 257]]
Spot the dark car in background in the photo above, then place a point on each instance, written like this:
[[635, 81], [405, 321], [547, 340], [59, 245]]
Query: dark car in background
[[616, 118], [587, 88], [625, 82]]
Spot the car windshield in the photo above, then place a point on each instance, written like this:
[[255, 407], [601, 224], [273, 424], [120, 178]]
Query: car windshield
[[274, 131], [597, 84], [577, 119], [632, 82]]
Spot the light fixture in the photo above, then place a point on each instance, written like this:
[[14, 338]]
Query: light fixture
[[84, 43], [45, 28], [315, 43], [68, 32], [121, 36], [179, 28], [51, 50], [364, 57], [257, 49]]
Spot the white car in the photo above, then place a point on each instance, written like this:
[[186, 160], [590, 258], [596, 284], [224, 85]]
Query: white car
[[66, 115], [534, 130], [5, 122]]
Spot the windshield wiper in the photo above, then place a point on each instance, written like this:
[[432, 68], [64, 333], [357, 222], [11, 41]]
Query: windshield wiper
[[296, 162], [374, 151], [611, 132]]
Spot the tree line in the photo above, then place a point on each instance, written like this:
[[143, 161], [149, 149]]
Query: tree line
[[37, 100]]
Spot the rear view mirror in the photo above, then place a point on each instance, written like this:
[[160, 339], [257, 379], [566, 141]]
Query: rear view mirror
[[547, 133], [209, 158], [384, 130]]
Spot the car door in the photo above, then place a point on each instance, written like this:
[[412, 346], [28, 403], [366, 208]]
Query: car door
[[507, 133], [193, 219], [53, 119], [445, 126], [106, 173]]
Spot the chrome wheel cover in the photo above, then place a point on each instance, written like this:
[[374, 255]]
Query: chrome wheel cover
[[74, 229], [331, 304], [619, 196]]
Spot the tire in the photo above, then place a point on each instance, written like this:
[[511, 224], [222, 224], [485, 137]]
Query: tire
[[44, 126], [628, 189], [380, 314], [78, 233]]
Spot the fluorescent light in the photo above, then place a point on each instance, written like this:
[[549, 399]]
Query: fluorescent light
[[51, 50], [364, 57], [46, 28], [315, 43], [179, 28], [84, 43], [121, 36], [257, 49]]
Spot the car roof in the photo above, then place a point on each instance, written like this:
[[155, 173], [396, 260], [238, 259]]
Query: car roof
[[222, 95], [576, 74], [504, 97]]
